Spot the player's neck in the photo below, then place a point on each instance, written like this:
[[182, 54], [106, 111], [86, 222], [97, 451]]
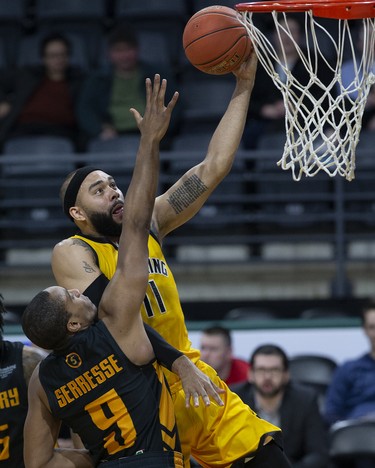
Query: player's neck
[[97, 235]]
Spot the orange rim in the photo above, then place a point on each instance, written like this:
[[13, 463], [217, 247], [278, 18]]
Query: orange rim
[[336, 9]]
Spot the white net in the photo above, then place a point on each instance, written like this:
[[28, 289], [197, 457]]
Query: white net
[[322, 129]]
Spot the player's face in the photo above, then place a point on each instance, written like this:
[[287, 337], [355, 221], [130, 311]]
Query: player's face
[[103, 203], [215, 351], [79, 306], [369, 327], [268, 375]]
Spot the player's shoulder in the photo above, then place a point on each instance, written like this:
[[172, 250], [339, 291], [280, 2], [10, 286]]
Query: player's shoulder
[[35, 352], [70, 250], [67, 244], [64, 243]]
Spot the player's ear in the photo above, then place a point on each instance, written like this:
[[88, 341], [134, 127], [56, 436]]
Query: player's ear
[[76, 213], [73, 326]]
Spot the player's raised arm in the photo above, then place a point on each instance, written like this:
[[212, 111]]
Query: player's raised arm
[[123, 296], [183, 200]]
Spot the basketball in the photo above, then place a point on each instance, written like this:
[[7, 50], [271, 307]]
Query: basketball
[[215, 41]]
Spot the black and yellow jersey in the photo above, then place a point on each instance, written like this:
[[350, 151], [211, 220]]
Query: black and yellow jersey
[[13, 405], [116, 407]]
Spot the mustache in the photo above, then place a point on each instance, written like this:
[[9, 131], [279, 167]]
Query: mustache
[[116, 205]]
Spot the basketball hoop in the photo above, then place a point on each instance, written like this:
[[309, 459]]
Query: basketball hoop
[[322, 132]]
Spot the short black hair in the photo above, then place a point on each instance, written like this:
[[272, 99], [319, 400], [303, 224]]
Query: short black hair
[[52, 37], [44, 322], [124, 32], [270, 350], [221, 331]]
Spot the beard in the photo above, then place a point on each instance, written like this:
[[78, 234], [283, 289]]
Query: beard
[[105, 225], [271, 392]]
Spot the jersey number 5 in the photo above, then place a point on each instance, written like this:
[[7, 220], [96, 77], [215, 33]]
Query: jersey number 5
[[4, 443]]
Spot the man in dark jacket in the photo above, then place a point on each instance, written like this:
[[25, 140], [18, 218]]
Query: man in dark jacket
[[42, 100], [291, 406], [108, 94]]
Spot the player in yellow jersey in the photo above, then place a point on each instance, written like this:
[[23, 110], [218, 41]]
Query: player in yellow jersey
[[217, 436]]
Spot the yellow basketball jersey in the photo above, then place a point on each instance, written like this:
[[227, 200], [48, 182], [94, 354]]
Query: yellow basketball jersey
[[161, 308], [218, 435]]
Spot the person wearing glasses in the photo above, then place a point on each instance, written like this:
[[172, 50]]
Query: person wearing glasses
[[293, 407]]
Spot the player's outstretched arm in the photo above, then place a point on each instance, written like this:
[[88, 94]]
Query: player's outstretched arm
[[183, 200], [195, 383], [40, 435], [124, 294]]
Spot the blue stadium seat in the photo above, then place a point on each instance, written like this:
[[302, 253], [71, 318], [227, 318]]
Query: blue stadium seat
[[169, 18], [205, 98], [86, 19], [12, 23], [71, 10], [38, 145], [124, 144], [200, 4], [352, 442]]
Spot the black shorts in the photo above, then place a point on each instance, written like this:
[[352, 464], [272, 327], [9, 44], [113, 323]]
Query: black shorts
[[270, 455], [147, 459]]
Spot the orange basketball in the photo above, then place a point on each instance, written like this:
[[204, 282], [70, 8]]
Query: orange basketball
[[215, 41]]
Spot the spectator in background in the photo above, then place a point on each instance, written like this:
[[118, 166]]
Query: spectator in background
[[41, 99], [351, 394], [267, 111], [293, 407], [216, 351], [348, 75], [109, 94], [369, 114], [17, 365]]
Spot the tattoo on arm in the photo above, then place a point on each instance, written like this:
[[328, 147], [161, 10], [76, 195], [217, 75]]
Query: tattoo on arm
[[187, 193], [81, 243], [86, 266]]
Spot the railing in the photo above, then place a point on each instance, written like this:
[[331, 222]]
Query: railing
[[257, 204]]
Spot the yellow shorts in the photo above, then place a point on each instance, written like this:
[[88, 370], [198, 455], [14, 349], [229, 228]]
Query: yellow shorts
[[216, 436]]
